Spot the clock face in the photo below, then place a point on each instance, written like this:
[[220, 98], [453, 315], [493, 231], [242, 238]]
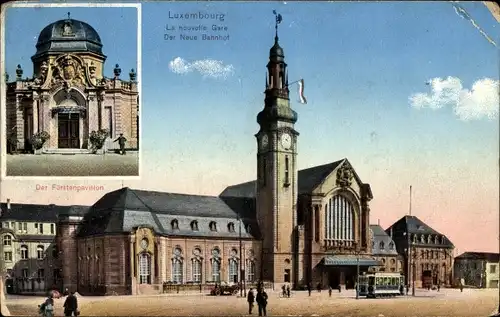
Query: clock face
[[286, 141], [265, 141], [144, 243]]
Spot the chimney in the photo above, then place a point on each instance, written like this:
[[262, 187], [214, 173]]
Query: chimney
[[8, 203]]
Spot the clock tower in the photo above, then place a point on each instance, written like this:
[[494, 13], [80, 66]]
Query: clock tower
[[277, 172]]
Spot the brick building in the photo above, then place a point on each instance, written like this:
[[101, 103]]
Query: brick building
[[384, 250], [68, 96], [427, 253]]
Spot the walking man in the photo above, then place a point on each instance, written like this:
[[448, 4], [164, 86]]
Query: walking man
[[309, 288], [262, 302], [121, 141], [71, 305], [250, 300]]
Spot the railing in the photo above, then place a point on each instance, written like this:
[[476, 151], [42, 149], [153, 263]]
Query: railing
[[174, 288]]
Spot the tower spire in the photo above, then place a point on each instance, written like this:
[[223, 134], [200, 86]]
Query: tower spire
[[69, 15], [278, 20]]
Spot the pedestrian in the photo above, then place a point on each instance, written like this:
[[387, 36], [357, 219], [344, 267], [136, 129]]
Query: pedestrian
[[71, 305], [339, 287], [262, 302], [461, 288], [66, 292], [407, 288], [121, 141], [309, 288], [48, 306], [250, 300], [439, 286], [288, 290], [283, 290], [319, 287], [330, 289]]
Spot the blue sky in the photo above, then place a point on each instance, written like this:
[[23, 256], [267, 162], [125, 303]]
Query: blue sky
[[361, 63]]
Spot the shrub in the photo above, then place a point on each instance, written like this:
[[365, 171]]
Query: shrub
[[97, 139], [38, 139]]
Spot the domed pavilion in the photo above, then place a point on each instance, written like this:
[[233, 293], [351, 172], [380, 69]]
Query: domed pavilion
[[68, 96]]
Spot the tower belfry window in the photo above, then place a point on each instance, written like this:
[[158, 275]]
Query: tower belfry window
[[287, 171]]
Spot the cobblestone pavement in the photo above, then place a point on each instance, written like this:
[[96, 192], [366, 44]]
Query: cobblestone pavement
[[446, 303], [73, 165]]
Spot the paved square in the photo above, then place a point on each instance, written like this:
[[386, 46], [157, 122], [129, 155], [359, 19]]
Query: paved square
[[109, 164], [447, 303]]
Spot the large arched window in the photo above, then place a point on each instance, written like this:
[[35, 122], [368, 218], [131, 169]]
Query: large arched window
[[24, 252], [7, 240], [339, 220], [177, 266], [40, 252], [233, 270], [215, 265], [144, 268], [196, 270], [250, 271]]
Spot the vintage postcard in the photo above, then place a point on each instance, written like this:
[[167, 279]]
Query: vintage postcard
[[72, 90], [298, 159]]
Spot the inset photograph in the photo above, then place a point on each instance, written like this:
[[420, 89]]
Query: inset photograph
[[71, 105]]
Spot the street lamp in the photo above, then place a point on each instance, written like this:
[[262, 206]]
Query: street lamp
[[242, 272]]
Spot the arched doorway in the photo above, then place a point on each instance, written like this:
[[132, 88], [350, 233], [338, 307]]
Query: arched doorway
[[70, 111], [144, 268]]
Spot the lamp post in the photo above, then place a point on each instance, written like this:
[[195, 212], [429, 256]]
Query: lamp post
[[357, 275], [414, 273]]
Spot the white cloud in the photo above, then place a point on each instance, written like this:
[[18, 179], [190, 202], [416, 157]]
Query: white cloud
[[206, 67], [481, 101]]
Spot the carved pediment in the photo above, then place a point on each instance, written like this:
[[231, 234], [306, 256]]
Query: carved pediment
[[345, 175], [69, 70]]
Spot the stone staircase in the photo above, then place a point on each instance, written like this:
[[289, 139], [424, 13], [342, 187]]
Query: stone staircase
[[66, 151]]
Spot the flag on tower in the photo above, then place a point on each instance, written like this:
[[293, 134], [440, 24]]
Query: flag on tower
[[302, 98]]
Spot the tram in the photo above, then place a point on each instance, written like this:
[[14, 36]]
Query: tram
[[381, 285]]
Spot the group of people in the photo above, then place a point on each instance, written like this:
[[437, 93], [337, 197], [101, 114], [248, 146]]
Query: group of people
[[70, 305], [261, 300]]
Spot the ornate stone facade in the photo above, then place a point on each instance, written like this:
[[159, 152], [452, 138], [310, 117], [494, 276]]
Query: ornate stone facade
[[68, 95]]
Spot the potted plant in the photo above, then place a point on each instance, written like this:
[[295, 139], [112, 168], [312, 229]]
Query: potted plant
[[97, 140], [38, 140]]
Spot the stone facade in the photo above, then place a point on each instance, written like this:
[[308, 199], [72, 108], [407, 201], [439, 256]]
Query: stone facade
[[68, 96], [477, 269]]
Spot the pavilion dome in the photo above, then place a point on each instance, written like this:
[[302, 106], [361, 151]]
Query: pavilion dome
[[68, 36]]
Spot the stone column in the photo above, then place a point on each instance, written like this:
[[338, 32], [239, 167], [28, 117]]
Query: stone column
[[92, 114], [46, 123], [36, 101], [19, 121]]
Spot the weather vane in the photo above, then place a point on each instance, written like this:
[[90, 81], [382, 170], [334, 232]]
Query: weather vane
[[279, 18], [68, 15]]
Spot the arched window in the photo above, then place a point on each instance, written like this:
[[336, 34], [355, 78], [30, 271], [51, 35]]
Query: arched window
[[339, 220], [174, 224], [213, 226], [230, 227], [144, 268], [215, 265], [233, 270], [194, 225], [249, 229], [24, 252], [55, 251], [177, 266], [40, 252], [391, 246], [381, 245], [393, 261], [250, 271], [7, 240], [196, 271]]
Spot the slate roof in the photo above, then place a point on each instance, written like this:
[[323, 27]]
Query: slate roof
[[381, 237], [413, 225], [308, 179], [488, 256], [38, 212], [125, 209]]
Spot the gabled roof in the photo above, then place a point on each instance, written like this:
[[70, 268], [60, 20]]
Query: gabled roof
[[308, 180], [124, 209], [413, 225], [488, 256], [381, 238], [38, 212]]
